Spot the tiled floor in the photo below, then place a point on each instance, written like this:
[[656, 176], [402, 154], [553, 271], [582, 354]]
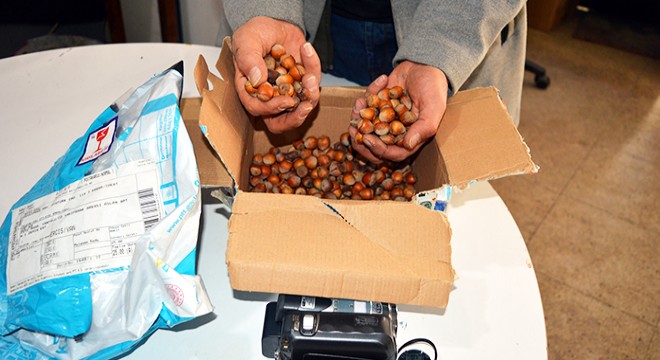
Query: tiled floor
[[591, 216]]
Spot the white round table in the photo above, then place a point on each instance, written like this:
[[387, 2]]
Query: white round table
[[50, 98]]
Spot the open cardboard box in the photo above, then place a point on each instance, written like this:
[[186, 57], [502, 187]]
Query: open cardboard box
[[385, 251]]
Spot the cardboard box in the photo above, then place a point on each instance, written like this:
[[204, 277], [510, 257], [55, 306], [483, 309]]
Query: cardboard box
[[366, 250]]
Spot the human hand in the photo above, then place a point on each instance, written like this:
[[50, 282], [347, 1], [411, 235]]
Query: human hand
[[250, 43], [427, 87]]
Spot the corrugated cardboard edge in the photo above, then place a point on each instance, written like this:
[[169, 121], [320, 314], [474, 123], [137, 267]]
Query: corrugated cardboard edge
[[212, 172], [345, 254], [502, 152], [231, 132]]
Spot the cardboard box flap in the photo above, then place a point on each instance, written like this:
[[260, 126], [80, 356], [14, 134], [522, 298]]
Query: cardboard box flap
[[222, 117], [499, 151], [346, 249], [212, 172]]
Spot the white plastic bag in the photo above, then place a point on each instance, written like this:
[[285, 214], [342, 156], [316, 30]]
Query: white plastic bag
[[101, 252]]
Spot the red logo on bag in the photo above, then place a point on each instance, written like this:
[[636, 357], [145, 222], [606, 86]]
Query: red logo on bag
[[175, 293], [100, 135], [99, 142]]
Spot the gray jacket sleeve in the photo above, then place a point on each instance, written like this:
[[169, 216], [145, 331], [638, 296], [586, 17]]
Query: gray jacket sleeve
[[238, 12], [453, 36], [305, 14]]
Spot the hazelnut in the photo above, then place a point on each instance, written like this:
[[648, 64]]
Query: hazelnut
[[387, 184], [286, 89], [294, 181], [297, 72], [265, 91], [367, 194], [322, 172], [281, 70], [311, 162], [372, 100], [348, 179], [282, 79], [265, 171], [388, 139], [285, 189], [323, 142], [365, 127], [287, 61], [269, 159], [277, 51], [384, 104], [250, 88], [407, 101], [397, 177], [258, 159], [338, 156], [382, 128], [255, 170], [368, 113], [270, 62], [379, 176], [408, 192], [395, 92], [408, 118], [285, 166], [274, 179], [302, 171], [397, 127], [345, 139], [323, 160], [384, 94], [357, 187], [387, 114], [400, 109], [368, 179], [311, 142], [410, 178]]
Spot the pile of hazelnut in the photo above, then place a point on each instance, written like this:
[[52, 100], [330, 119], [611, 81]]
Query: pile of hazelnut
[[388, 115], [314, 166], [284, 77]]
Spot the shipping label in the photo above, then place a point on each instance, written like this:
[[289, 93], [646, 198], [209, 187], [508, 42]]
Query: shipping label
[[90, 225]]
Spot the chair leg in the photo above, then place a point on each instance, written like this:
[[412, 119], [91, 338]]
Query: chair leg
[[541, 80]]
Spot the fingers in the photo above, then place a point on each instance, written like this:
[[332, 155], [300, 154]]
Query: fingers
[[249, 61], [257, 107], [312, 78], [288, 120], [374, 150]]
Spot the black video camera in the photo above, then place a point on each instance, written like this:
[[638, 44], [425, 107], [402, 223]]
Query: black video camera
[[313, 328]]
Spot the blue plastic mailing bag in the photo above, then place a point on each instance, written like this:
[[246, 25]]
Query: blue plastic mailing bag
[[101, 252]]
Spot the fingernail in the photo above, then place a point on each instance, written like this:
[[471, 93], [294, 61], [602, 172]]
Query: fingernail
[[254, 76], [309, 49], [413, 141], [305, 111], [367, 141], [380, 80], [311, 78]]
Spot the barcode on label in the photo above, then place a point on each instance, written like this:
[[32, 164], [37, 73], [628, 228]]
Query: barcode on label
[[149, 208]]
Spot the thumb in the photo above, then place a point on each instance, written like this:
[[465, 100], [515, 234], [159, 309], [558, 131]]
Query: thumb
[[249, 61]]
